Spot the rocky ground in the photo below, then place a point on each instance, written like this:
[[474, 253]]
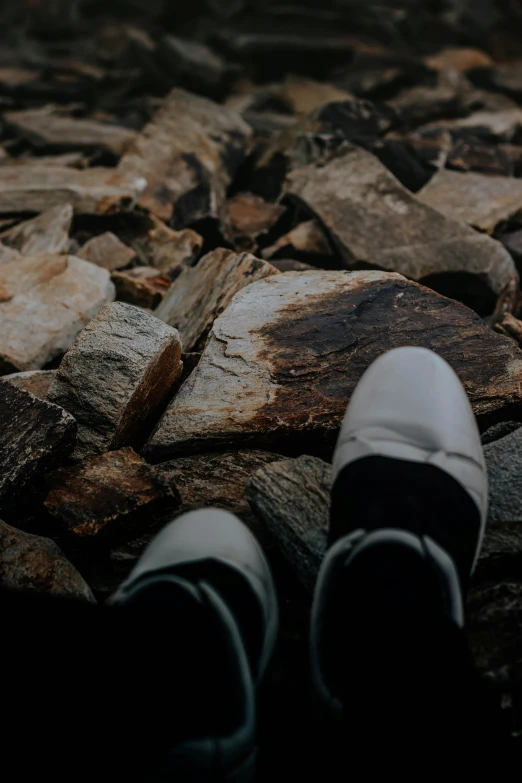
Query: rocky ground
[[211, 223]]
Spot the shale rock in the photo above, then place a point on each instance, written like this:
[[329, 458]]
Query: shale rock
[[36, 382], [44, 302], [142, 286], [374, 220], [47, 233], [478, 199], [32, 563], [109, 496], [201, 293], [188, 155], [166, 250], [115, 376], [34, 437], [288, 351], [107, 251], [292, 498]]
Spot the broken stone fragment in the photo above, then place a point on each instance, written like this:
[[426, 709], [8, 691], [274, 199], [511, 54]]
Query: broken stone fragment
[[292, 498], [192, 63], [46, 128], [166, 250], [307, 237], [503, 126], [288, 351], [248, 218], [107, 251], [8, 254], [188, 155], [46, 301], [34, 436], [47, 233], [504, 462], [304, 95], [460, 59], [36, 382], [36, 188], [373, 219], [478, 199], [200, 293], [32, 563], [116, 375], [142, 286], [109, 496]]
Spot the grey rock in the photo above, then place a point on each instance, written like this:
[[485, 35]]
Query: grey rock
[[107, 251], [47, 233], [498, 431], [504, 461], [119, 370]]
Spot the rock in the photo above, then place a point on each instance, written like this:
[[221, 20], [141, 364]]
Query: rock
[[460, 59], [188, 155], [452, 96], [116, 375], [142, 286], [307, 237], [473, 154], [290, 265], [511, 326], [304, 95], [47, 233], [32, 563], [499, 430], [37, 188], [167, 250], [45, 128], [478, 199], [289, 350], [504, 461], [292, 498], [501, 126], [248, 218], [36, 382], [192, 63], [107, 251], [47, 301], [34, 437], [109, 496], [201, 293], [508, 78], [373, 219], [7, 254]]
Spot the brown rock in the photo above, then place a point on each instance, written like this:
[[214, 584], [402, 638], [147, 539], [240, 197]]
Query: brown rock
[[50, 299], [188, 155], [7, 254], [47, 233], [32, 563], [107, 251], [307, 237], [504, 125], [478, 199], [460, 59], [373, 219], [109, 496], [115, 376], [37, 187], [34, 436], [288, 351], [475, 154], [143, 286], [201, 293], [249, 217], [166, 250], [292, 498], [304, 95], [45, 128], [36, 382]]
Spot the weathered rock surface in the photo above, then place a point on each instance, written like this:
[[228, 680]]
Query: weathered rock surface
[[30, 563], [292, 498], [143, 286], [44, 302], [307, 237], [249, 217], [108, 496], [504, 461], [38, 188], [201, 293], [288, 351], [107, 251], [8, 254], [188, 155], [47, 233], [478, 199], [36, 382], [165, 249], [46, 128], [117, 373], [34, 437]]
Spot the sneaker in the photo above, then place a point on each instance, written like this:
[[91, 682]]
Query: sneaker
[[205, 579]]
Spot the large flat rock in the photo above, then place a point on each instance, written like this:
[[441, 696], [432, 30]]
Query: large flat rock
[[375, 221], [44, 302], [117, 373], [288, 351], [188, 155]]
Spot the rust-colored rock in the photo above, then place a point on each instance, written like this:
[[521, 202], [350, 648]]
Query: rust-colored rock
[[109, 496], [201, 293], [117, 373], [107, 251], [36, 382], [166, 250], [249, 217], [143, 286], [288, 352]]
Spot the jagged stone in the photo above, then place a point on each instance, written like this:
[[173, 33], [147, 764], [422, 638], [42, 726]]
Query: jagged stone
[[44, 302], [166, 250], [115, 376], [143, 286], [504, 461], [248, 218], [47, 233], [34, 436], [199, 294], [107, 251], [307, 237], [36, 382], [288, 351], [33, 563], [109, 496]]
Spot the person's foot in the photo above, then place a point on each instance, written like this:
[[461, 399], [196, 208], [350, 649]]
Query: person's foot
[[408, 509], [203, 609]]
